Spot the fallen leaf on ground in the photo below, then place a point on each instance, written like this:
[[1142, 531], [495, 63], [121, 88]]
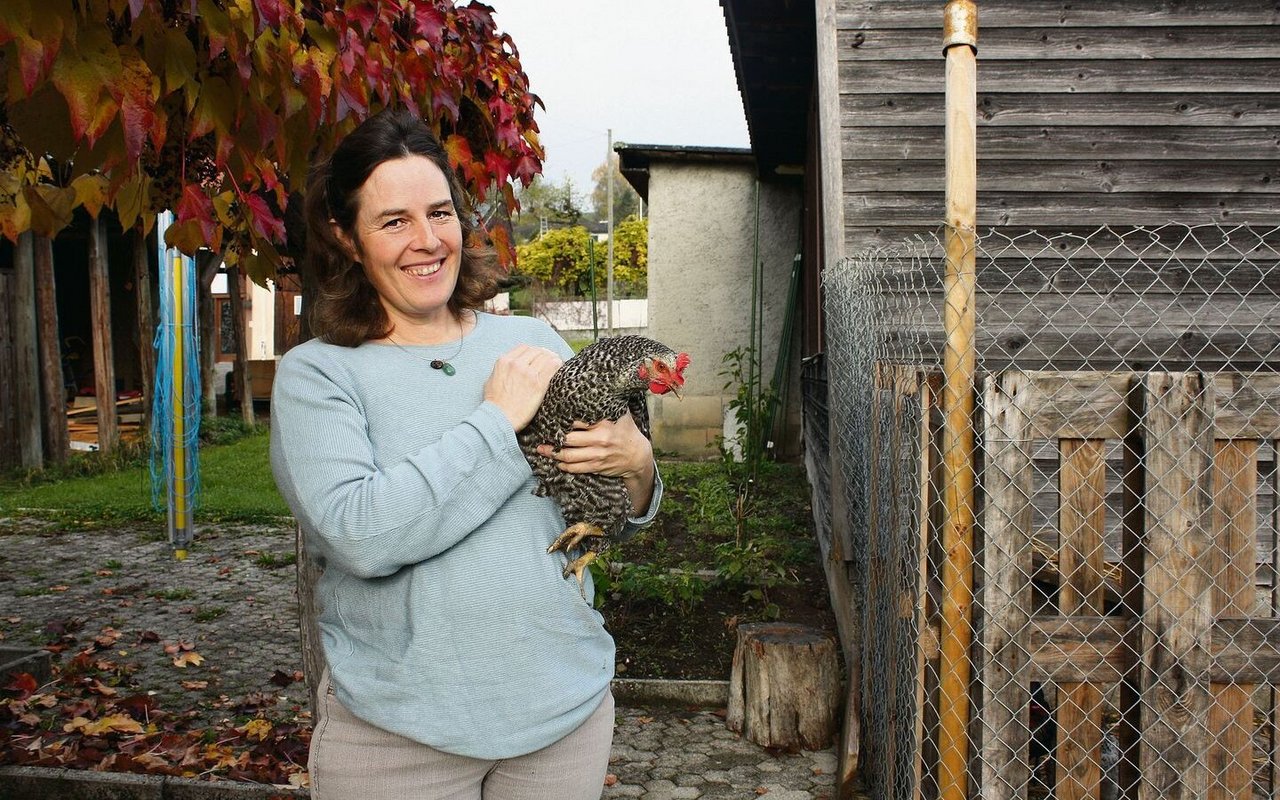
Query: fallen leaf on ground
[[190, 657]]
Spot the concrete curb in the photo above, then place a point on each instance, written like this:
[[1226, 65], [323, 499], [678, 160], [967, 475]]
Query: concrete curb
[[652, 691], [46, 783]]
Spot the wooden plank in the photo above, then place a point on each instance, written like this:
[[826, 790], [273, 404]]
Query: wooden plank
[[930, 389], [1070, 175], [1037, 266], [877, 749], [1082, 591], [9, 457], [1247, 407], [1080, 405], [144, 319], [1077, 13], [1065, 75], [1199, 109], [56, 441], [1050, 208], [26, 361], [1174, 243], [1231, 566], [1033, 43], [1034, 142], [1177, 614], [104, 372], [1095, 649], [1006, 689]]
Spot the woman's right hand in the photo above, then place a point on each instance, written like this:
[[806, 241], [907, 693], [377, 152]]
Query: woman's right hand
[[519, 382]]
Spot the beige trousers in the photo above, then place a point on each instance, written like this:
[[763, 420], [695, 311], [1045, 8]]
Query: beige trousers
[[353, 760]]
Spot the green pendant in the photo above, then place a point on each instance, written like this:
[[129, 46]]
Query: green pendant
[[448, 369]]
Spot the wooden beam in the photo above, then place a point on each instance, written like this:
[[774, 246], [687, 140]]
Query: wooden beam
[[1177, 599], [1008, 400], [1231, 568], [1082, 480], [57, 442], [104, 370], [146, 320], [26, 364]]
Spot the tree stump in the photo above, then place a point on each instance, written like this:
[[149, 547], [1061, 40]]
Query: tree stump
[[784, 689]]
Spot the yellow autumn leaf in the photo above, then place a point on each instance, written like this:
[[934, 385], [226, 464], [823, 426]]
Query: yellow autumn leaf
[[190, 657], [256, 729], [119, 723]]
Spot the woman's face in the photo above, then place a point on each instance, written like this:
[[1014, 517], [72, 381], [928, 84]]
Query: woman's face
[[409, 240]]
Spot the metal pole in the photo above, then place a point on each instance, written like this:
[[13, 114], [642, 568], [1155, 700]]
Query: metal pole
[[960, 37], [595, 311], [608, 171]]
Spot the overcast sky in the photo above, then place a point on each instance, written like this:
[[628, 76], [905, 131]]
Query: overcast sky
[[655, 71]]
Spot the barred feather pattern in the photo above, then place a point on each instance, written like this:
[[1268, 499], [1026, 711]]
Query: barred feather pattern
[[601, 382]]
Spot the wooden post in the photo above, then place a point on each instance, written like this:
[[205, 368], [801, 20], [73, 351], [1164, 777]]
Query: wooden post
[[1082, 491], [308, 575], [56, 439], [9, 456], [207, 265], [243, 380], [784, 687], [959, 367], [104, 370], [26, 370], [146, 321], [1177, 598], [1235, 519], [1006, 686]]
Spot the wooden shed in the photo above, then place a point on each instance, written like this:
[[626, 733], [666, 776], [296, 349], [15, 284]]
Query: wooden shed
[[1127, 155]]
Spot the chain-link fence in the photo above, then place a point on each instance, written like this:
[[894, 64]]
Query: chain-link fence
[[1121, 636]]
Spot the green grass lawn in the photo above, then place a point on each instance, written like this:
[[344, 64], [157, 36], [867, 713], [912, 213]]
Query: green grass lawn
[[235, 486]]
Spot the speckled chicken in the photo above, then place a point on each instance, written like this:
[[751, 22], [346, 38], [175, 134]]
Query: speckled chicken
[[603, 381]]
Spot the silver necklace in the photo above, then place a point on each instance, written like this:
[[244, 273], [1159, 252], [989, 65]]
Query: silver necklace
[[445, 365]]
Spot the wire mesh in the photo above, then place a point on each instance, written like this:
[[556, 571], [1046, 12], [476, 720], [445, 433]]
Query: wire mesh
[[1125, 609]]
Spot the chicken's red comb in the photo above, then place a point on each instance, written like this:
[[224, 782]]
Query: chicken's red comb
[[682, 361]]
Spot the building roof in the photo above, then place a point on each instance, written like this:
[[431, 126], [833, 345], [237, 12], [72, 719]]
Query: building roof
[[635, 159], [773, 44]]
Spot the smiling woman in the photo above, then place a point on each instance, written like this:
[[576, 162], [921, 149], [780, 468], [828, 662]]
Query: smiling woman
[[394, 443]]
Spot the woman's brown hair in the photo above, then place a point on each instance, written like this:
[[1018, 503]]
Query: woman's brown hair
[[347, 310]]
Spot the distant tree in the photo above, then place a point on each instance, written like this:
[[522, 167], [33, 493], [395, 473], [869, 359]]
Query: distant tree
[[545, 199], [559, 259], [626, 201], [631, 254]]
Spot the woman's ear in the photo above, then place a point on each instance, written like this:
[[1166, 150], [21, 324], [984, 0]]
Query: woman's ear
[[348, 246]]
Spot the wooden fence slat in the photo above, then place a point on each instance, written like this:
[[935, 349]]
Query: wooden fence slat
[[1231, 568], [1177, 615], [930, 387], [1082, 481], [1006, 691]]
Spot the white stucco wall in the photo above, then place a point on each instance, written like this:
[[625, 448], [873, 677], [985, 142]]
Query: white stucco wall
[[702, 243]]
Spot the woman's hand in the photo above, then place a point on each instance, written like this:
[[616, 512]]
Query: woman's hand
[[617, 448], [519, 382]]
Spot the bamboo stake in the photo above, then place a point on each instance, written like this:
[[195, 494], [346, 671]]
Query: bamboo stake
[[960, 29]]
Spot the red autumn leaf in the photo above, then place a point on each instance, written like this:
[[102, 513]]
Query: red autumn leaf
[[269, 13], [24, 683], [264, 222], [430, 23]]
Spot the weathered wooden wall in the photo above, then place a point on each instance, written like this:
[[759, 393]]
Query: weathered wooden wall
[[1124, 112]]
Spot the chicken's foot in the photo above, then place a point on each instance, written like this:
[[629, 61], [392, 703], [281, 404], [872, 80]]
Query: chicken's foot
[[571, 538]]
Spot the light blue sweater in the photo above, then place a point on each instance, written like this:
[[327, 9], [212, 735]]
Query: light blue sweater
[[443, 618]]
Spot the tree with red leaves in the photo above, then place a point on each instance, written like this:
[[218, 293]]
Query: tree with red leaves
[[215, 108]]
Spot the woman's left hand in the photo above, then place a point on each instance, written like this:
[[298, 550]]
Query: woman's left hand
[[617, 449]]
